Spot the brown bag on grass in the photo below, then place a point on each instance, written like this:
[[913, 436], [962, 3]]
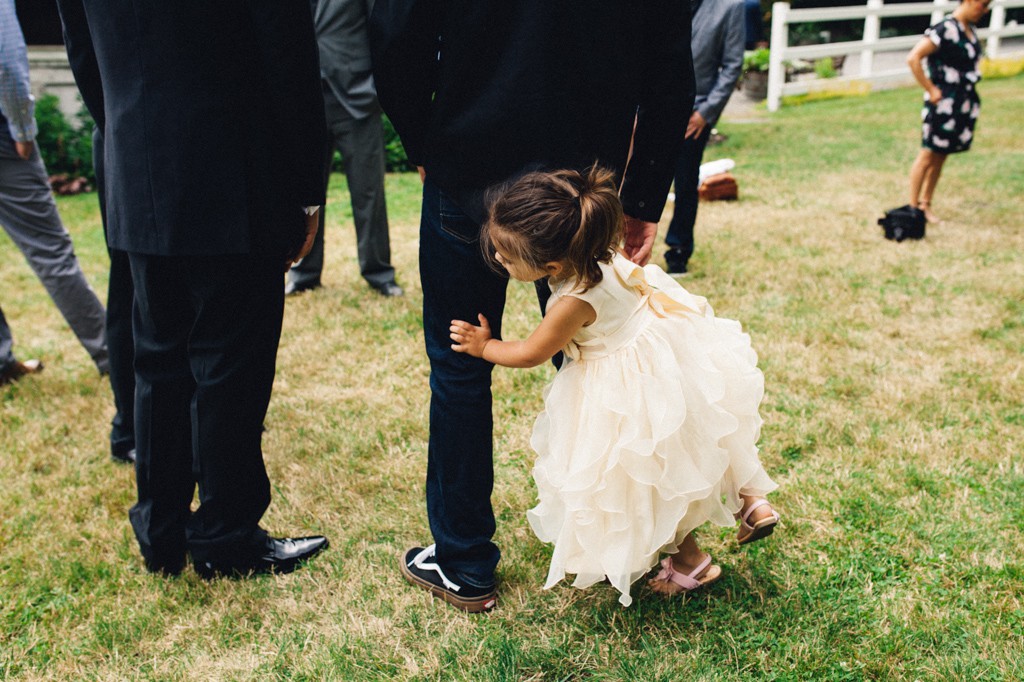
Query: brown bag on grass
[[719, 187]]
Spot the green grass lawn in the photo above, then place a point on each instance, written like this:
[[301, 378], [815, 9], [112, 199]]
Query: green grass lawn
[[894, 422]]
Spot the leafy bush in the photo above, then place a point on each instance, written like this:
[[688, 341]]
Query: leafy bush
[[394, 152], [65, 148], [825, 68], [756, 60]]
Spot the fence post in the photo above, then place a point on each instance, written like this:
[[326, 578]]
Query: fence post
[[872, 29], [996, 27], [937, 14], [779, 40]]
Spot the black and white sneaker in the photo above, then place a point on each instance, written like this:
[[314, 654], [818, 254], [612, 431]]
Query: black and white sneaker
[[420, 567]]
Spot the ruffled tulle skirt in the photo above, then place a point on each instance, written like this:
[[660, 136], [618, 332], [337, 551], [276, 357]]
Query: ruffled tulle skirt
[[641, 446]]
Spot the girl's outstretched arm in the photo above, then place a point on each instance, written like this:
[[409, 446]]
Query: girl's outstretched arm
[[556, 329]]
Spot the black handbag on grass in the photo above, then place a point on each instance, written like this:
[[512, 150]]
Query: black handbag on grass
[[905, 222]]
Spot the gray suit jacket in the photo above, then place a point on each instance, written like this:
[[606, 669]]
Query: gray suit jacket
[[341, 33], [718, 38]]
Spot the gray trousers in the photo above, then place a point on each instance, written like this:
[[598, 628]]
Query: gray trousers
[[29, 215], [6, 344], [361, 143]]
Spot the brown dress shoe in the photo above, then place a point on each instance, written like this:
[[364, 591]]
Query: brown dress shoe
[[17, 370]]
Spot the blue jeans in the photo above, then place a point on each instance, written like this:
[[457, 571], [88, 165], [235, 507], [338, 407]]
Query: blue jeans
[[458, 284]]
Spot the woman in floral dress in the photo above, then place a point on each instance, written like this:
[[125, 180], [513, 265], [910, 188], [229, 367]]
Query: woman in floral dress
[[951, 102]]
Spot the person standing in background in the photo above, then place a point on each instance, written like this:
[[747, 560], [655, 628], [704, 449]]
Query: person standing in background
[[28, 212], [717, 42], [354, 125], [951, 101]]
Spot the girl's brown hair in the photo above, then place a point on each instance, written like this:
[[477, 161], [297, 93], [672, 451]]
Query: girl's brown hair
[[555, 216]]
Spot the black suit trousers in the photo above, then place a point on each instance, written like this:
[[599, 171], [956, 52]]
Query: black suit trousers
[[206, 336], [120, 342]]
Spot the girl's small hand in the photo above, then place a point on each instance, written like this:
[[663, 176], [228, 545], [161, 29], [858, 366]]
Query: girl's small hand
[[934, 95], [470, 339]]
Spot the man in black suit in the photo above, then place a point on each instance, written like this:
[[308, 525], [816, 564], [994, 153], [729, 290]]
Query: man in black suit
[[213, 128], [353, 118], [480, 92]]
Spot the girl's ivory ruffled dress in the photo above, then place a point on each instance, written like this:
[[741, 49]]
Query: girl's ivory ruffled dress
[[649, 429]]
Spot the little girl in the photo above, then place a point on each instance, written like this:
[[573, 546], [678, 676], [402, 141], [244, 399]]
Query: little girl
[[651, 424]]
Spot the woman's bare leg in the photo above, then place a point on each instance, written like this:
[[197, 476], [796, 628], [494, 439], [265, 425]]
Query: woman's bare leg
[[930, 180], [918, 171]]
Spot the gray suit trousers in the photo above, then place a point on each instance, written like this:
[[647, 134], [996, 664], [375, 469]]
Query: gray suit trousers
[[29, 215], [361, 143]]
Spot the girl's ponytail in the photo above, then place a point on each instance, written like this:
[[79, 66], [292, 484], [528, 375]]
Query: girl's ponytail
[[600, 225], [561, 215]]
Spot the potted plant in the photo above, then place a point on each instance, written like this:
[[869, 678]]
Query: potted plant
[[755, 73]]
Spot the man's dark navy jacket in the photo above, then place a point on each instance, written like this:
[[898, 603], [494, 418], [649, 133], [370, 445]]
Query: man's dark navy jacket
[[213, 146], [480, 90]]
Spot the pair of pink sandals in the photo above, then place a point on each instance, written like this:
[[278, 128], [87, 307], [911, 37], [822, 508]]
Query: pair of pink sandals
[[749, 532]]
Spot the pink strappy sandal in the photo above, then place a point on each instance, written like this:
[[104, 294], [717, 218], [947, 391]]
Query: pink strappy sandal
[[761, 529], [689, 581]]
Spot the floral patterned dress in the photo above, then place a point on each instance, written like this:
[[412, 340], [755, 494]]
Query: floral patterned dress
[[949, 123]]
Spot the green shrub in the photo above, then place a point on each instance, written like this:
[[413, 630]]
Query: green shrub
[[756, 60], [65, 147], [394, 152], [825, 68]]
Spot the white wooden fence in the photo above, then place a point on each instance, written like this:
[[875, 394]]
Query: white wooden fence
[[872, 13]]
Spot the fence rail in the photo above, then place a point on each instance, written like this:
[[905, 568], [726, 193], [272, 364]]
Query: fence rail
[[872, 13]]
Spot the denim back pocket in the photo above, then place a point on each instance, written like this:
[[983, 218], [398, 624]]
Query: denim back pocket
[[457, 224]]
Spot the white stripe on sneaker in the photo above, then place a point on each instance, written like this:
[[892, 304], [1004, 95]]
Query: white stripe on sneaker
[[419, 561]]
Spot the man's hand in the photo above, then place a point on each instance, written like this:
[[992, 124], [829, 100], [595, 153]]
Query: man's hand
[[423, 174], [24, 149], [470, 339], [695, 126], [639, 240], [312, 224]]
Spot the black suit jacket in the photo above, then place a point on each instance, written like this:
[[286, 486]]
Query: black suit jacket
[[480, 90], [212, 116]]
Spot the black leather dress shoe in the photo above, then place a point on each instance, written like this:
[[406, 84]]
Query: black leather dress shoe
[[17, 370], [167, 567], [282, 555], [293, 288], [388, 289], [123, 455]]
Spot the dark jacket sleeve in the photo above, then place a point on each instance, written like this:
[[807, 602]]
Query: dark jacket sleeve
[[288, 57], [666, 101], [82, 57], [404, 44]]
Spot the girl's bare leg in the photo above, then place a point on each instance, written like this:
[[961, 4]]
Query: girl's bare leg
[[762, 512]]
